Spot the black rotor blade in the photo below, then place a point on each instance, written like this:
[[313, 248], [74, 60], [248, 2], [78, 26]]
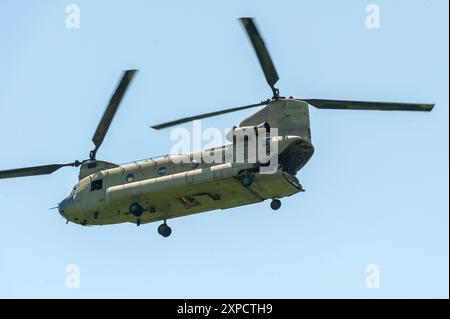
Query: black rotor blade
[[111, 109], [35, 170], [370, 106], [261, 51], [202, 116]]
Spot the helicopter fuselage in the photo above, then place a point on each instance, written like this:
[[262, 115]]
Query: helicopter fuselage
[[166, 188]]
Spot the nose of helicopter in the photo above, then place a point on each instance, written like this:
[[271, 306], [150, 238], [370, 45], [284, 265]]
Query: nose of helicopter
[[62, 205]]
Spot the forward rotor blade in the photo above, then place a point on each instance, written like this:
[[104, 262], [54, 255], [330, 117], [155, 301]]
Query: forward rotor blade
[[111, 110], [261, 51], [370, 106], [202, 116], [35, 170]]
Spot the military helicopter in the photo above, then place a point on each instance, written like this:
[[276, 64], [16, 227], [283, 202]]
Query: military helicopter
[[158, 189]]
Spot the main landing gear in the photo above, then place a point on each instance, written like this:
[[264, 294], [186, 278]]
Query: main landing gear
[[246, 179], [275, 204], [137, 210], [164, 230]]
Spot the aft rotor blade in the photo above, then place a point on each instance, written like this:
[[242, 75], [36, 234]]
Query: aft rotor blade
[[35, 170], [111, 109], [202, 116], [261, 51], [370, 106]]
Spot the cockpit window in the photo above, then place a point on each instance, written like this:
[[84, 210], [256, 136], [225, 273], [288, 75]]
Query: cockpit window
[[96, 185]]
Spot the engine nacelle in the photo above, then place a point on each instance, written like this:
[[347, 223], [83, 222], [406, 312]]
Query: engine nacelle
[[249, 132]]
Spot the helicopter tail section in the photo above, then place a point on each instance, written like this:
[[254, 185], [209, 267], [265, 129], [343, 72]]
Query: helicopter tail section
[[287, 116]]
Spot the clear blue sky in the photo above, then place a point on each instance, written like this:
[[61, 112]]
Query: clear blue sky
[[377, 186]]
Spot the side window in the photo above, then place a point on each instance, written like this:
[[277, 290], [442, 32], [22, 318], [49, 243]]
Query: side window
[[195, 164], [162, 170], [130, 178], [96, 185]]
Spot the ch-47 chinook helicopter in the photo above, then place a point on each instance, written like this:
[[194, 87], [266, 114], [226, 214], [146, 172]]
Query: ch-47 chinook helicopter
[[158, 189]]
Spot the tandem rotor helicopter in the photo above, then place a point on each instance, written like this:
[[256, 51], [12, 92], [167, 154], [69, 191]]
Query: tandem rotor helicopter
[[159, 189]]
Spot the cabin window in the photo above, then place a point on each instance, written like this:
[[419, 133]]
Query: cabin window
[[162, 170], [97, 185], [195, 164], [130, 178]]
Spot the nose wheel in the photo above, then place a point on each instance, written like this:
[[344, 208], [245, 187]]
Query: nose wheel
[[275, 204], [164, 230]]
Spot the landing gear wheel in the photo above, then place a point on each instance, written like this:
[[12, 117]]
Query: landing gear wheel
[[164, 230], [275, 204], [136, 209], [246, 180]]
